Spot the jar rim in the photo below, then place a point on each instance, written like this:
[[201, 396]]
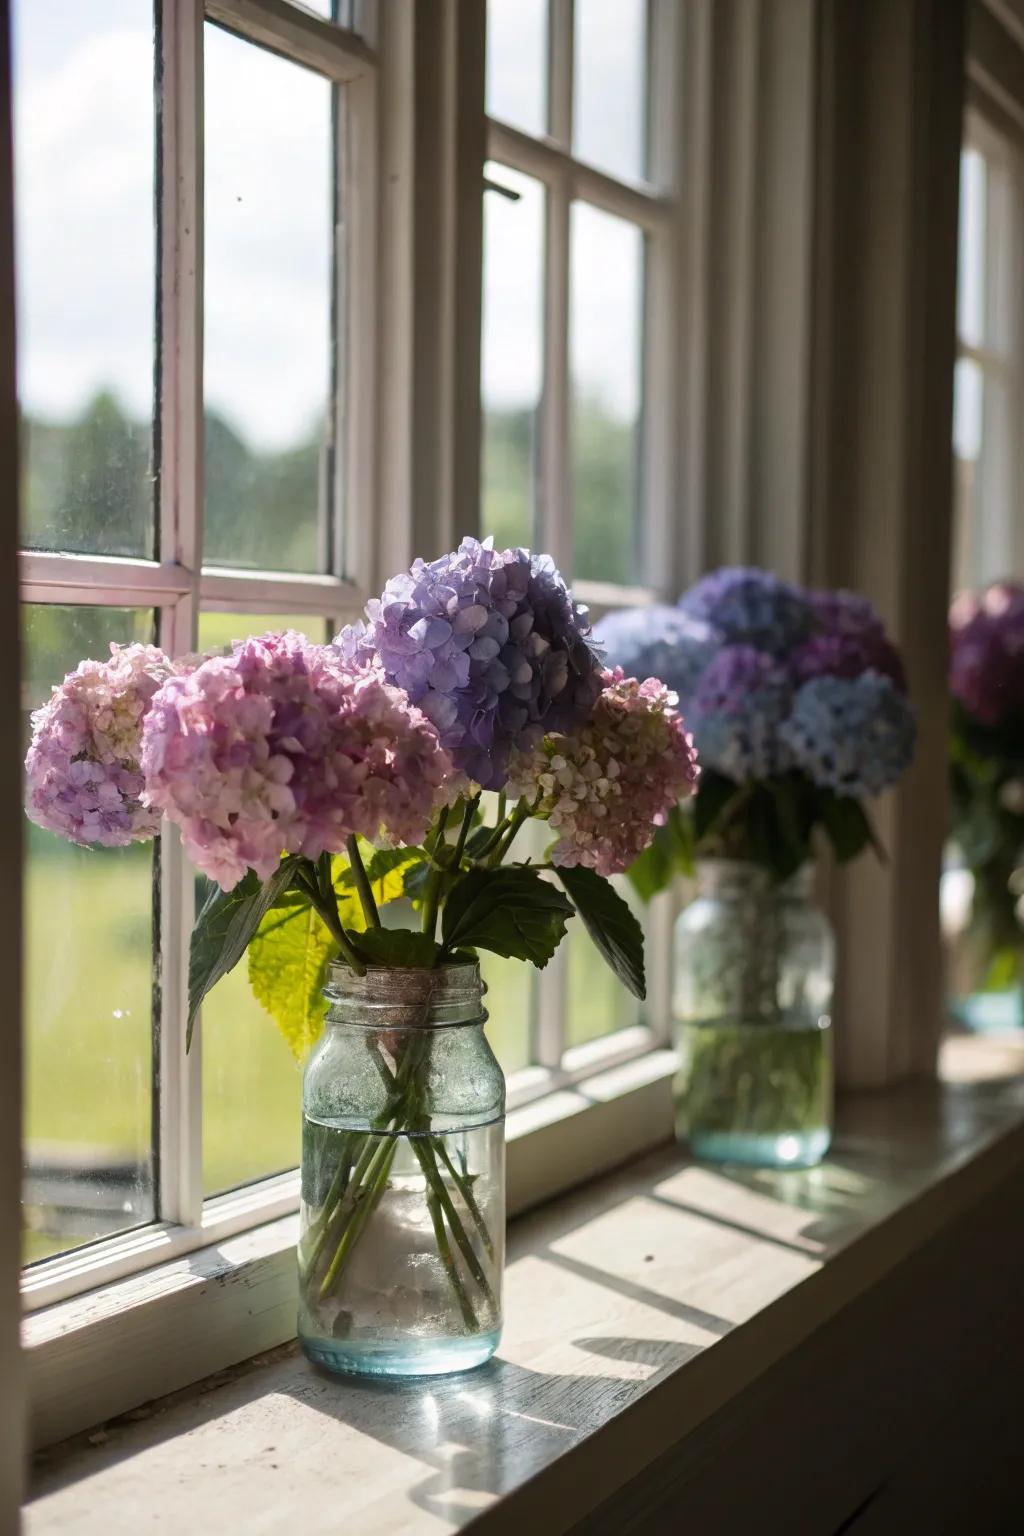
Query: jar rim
[[409, 997], [714, 872]]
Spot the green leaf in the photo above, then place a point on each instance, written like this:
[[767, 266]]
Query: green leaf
[[714, 792], [385, 870], [288, 960], [396, 947], [670, 853], [610, 923], [847, 826], [223, 929], [513, 912]]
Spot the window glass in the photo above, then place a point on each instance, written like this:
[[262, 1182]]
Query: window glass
[[606, 367], [971, 264], [610, 110], [517, 52], [512, 359], [268, 304], [83, 117], [597, 1002], [251, 1080], [88, 989]]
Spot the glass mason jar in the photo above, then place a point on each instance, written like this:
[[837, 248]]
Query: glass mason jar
[[754, 968], [402, 1228]]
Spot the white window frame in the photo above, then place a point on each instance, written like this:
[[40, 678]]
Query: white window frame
[[656, 208], [999, 468], [179, 587], [574, 1112]]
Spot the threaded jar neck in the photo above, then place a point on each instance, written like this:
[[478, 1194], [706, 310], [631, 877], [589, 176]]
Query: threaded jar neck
[[399, 997]]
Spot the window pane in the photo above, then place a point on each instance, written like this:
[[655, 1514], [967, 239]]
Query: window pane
[[605, 361], [268, 309], [509, 1002], [610, 111], [251, 1080], [971, 267], [88, 990], [512, 353], [598, 1004], [517, 63], [83, 109]]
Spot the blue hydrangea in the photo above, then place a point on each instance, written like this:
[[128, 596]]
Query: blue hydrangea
[[854, 735], [751, 607], [660, 642], [736, 712], [491, 647]]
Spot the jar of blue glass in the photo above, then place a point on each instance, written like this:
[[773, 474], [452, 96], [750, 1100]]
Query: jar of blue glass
[[753, 981], [402, 1227]]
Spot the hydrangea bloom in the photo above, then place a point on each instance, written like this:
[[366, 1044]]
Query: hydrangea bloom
[[750, 607], [845, 613], [660, 642], [854, 735], [987, 636], [844, 653], [83, 778], [606, 787], [490, 645], [736, 712], [284, 747]]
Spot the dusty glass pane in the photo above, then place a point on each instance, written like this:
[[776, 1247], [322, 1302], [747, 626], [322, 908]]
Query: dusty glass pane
[[88, 990], [251, 1081], [517, 63], [597, 1004], [86, 255], [607, 257], [610, 110], [268, 235], [512, 356]]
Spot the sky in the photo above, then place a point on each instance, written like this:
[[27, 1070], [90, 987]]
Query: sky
[[86, 234]]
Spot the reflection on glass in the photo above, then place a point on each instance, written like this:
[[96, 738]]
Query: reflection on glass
[[83, 112], [517, 51], [610, 110], [512, 353], [597, 1003], [88, 989], [971, 265], [268, 309], [605, 363], [251, 1080]]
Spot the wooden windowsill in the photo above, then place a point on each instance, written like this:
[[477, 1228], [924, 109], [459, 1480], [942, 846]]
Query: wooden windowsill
[[637, 1308]]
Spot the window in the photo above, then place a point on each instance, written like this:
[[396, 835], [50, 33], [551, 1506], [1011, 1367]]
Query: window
[[179, 493], [198, 378], [988, 422], [579, 395]]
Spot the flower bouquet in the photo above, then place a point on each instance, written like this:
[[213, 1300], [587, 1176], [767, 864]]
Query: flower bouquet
[[987, 800], [798, 707], [333, 796]]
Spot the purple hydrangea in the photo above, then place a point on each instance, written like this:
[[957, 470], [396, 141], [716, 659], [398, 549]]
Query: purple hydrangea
[[490, 645], [840, 612], [283, 747], [844, 653], [660, 642], [751, 607], [987, 641], [82, 774], [853, 735], [736, 712]]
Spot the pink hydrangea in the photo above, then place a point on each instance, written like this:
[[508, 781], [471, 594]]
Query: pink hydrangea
[[283, 747], [83, 775], [606, 788]]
